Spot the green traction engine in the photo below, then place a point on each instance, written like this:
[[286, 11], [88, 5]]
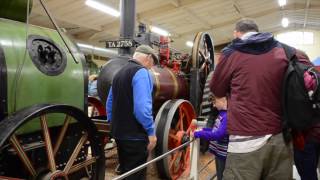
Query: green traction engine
[[45, 132]]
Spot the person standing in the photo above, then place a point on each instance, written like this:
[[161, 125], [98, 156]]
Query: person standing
[[129, 108], [92, 85], [250, 74], [306, 143], [217, 136], [307, 152]]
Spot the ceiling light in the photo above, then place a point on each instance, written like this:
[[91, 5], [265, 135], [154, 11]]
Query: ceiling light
[[159, 31], [97, 50], [189, 43], [285, 22], [85, 45], [282, 2], [103, 7]]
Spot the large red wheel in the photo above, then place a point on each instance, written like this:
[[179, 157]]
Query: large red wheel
[[173, 128]]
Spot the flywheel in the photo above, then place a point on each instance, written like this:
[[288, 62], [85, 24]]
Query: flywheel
[[202, 63], [173, 128]]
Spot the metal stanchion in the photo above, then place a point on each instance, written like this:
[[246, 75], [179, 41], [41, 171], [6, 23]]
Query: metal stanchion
[[195, 150]]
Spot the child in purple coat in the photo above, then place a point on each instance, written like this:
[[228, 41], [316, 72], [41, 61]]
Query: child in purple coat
[[217, 136]]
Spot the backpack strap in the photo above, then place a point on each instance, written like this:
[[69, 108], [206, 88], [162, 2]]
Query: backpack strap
[[290, 52], [286, 130]]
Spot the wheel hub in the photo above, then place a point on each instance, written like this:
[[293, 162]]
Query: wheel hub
[[185, 138]]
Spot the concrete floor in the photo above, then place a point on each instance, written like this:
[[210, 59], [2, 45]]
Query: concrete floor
[[206, 173]]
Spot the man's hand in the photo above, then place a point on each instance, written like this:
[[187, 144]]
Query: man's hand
[[152, 142]]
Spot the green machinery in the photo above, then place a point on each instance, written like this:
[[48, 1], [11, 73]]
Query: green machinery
[[45, 132]]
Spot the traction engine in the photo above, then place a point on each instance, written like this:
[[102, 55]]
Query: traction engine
[[180, 94]]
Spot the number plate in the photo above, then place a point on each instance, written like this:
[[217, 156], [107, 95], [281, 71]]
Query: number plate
[[119, 44]]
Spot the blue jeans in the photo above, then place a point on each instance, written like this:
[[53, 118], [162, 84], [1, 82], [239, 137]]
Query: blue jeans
[[306, 161]]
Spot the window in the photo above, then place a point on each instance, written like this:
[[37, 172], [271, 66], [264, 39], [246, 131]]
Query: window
[[296, 38]]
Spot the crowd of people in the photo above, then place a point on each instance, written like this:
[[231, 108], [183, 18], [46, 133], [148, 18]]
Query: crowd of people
[[246, 138]]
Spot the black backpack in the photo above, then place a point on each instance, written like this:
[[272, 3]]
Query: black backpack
[[301, 109]]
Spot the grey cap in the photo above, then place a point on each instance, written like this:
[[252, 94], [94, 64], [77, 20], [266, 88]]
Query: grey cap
[[145, 49]]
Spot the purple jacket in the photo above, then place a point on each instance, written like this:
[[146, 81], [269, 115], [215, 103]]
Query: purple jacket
[[218, 131], [250, 74], [217, 136]]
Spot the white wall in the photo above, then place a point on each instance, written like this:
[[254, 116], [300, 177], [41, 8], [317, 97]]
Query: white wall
[[312, 50]]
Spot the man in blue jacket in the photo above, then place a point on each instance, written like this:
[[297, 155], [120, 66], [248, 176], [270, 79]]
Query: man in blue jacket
[[129, 108]]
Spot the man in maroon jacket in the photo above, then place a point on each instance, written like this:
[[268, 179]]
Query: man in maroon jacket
[[250, 74]]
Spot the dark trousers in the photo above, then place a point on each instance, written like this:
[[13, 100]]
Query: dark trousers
[[306, 160], [220, 164], [132, 153]]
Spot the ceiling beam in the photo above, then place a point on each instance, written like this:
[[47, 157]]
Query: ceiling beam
[[72, 21], [176, 3], [143, 17], [194, 16], [166, 9], [306, 13], [112, 29], [254, 15], [237, 8], [140, 18]]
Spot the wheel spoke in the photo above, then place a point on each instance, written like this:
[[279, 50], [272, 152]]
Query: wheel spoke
[[22, 155], [62, 134], [173, 136], [83, 164], [75, 153], [181, 114], [174, 158], [48, 144]]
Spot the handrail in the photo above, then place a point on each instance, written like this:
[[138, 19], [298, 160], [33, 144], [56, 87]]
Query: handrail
[[152, 161]]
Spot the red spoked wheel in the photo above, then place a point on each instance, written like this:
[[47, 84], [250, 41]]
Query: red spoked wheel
[[173, 128], [95, 107], [97, 113]]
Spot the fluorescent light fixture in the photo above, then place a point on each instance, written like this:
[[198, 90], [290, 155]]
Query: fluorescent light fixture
[[102, 7], [85, 45], [189, 43], [282, 2], [98, 50], [159, 31], [285, 22]]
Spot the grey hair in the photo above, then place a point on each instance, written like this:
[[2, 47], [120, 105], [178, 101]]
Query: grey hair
[[246, 25], [138, 55]]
